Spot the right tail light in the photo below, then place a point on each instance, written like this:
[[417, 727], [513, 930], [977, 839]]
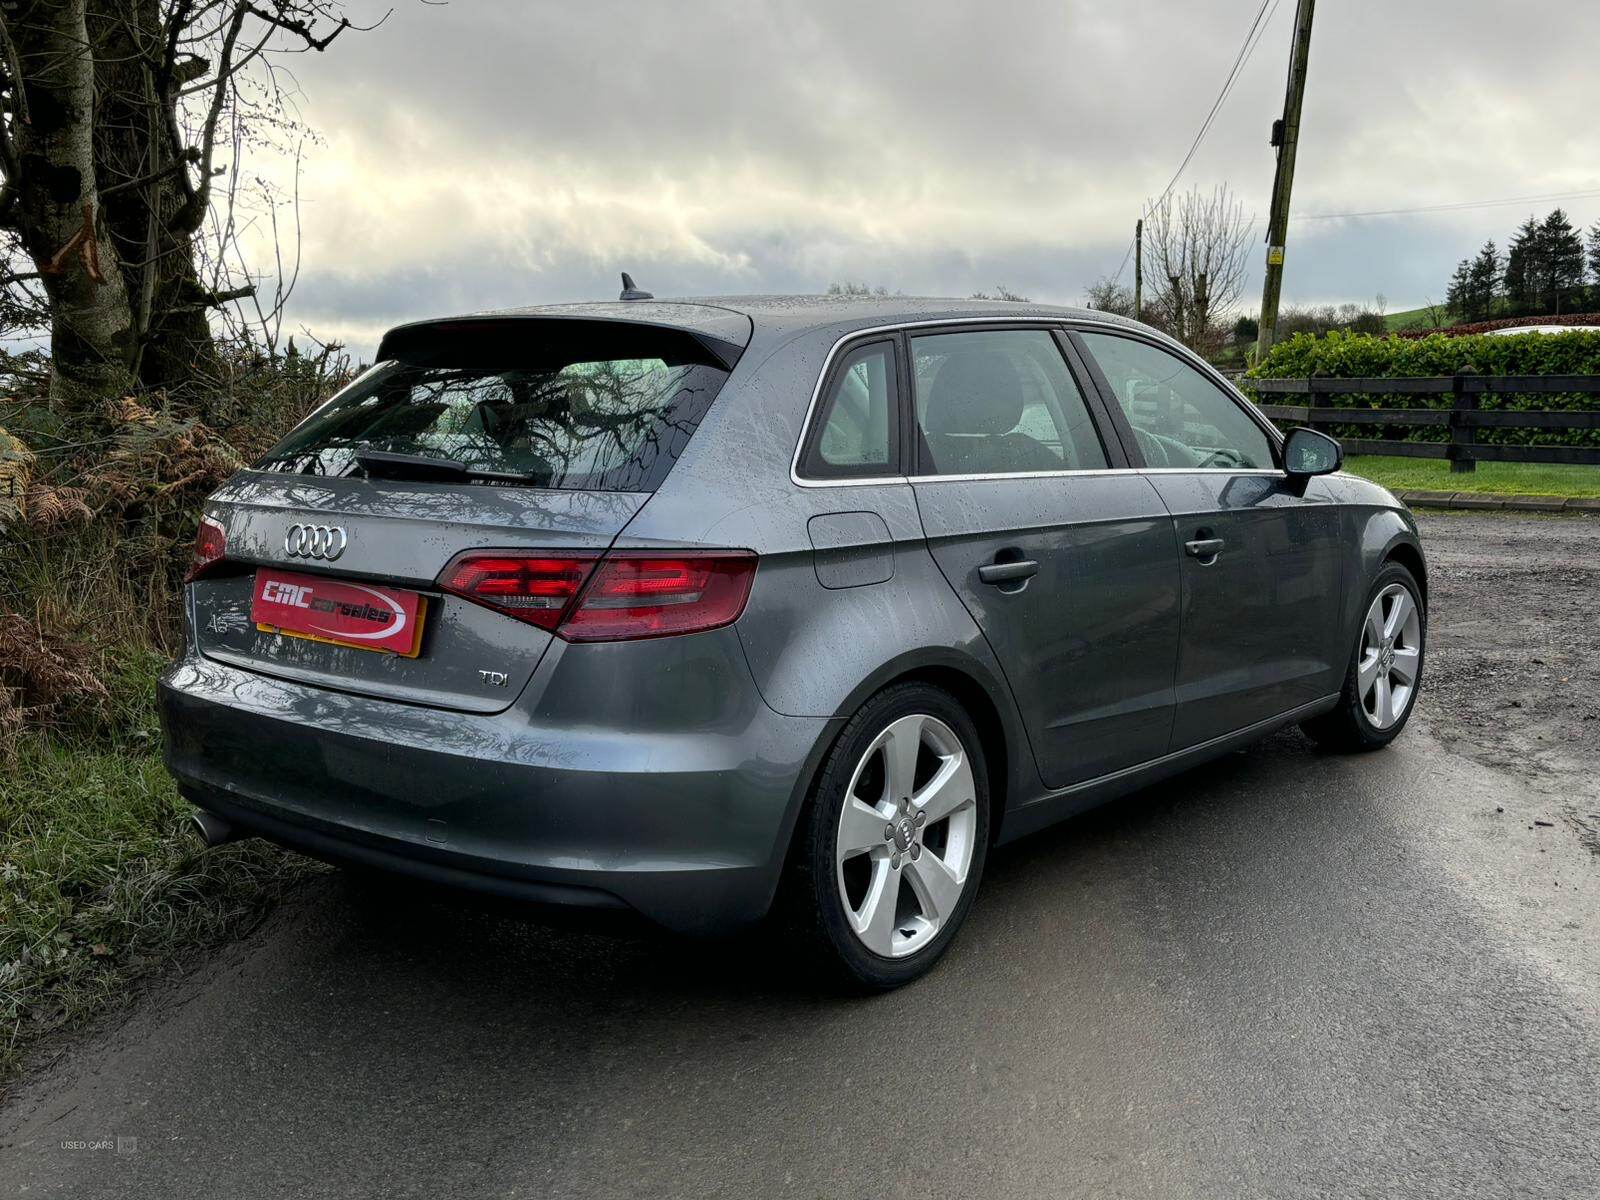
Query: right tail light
[[618, 596]]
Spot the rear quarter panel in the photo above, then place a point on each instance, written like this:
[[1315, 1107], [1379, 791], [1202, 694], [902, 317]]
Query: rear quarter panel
[[817, 649]]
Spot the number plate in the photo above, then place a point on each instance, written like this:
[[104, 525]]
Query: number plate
[[359, 615]]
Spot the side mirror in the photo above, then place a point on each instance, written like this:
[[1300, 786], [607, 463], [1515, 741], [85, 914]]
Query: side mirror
[[1309, 453]]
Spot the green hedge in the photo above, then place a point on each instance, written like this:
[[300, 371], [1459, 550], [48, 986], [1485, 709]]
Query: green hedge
[[1345, 355]]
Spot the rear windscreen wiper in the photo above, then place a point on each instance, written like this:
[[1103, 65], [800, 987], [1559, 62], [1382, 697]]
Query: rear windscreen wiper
[[385, 464]]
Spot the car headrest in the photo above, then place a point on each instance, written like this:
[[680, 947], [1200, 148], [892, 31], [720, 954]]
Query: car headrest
[[975, 392]]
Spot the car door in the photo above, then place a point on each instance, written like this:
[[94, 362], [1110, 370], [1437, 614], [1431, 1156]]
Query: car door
[[1261, 561], [1063, 556]]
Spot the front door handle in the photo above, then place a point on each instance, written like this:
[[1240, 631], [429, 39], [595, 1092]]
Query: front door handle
[[1205, 549], [1008, 572]]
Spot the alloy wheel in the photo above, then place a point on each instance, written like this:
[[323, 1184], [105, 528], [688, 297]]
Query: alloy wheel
[[1391, 656], [906, 836]]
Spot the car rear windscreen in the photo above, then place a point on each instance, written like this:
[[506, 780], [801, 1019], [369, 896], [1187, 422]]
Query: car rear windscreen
[[533, 404]]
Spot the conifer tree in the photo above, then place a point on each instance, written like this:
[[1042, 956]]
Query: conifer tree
[[1594, 262], [1483, 281], [1457, 298], [1520, 285], [1560, 261]]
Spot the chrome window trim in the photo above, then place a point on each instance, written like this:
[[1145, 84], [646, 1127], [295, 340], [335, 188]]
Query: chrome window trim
[[816, 396], [1044, 323], [866, 481], [1092, 471], [982, 476], [1278, 471]]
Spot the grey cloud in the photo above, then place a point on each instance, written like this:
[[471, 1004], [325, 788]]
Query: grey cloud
[[487, 153]]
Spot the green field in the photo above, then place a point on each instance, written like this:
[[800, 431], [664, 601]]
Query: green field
[[1417, 318], [1437, 316], [1511, 479]]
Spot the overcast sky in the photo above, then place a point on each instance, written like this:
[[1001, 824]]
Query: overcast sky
[[485, 153]]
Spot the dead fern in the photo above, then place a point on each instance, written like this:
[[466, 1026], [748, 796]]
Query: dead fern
[[154, 454], [43, 669], [12, 716], [25, 499], [16, 475], [46, 507], [125, 410]]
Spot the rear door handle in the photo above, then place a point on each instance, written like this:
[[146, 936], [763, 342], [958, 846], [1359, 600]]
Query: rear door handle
[[1008, 572], [1205, 549]]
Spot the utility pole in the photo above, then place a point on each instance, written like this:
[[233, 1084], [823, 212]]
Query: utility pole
[[1138, 270], [1286, 137]]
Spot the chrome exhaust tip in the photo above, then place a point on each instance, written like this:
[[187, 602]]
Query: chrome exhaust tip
[[213, 830]]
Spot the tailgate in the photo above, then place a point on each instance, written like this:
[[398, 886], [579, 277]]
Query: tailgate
[[395, 538]]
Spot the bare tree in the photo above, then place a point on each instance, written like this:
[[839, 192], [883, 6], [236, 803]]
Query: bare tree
[[857, 290], [1002, 292], [111, 114], [1198, 249], [1108, 295]]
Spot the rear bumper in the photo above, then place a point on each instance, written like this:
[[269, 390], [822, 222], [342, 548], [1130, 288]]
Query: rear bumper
[[688, 827]]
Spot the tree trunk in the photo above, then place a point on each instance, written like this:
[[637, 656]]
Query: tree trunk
[[1200, 324], [1180, 309], [173, 345], [62, 226]]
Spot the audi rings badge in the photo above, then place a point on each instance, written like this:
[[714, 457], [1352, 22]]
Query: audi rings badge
[[325, 542]]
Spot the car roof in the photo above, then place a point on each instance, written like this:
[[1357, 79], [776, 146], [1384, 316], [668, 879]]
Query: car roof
[[797, 313], [735, 318]]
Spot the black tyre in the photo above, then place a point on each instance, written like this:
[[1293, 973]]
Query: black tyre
[[1385, 673], [891, 847]]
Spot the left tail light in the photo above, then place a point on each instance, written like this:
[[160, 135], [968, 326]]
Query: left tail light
[[619, 596], [210, 548]]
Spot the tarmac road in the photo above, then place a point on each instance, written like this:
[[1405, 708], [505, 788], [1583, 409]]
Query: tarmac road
[[1284, 974]]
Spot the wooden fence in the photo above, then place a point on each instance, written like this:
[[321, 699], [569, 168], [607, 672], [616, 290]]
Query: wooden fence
[[1463, 418]]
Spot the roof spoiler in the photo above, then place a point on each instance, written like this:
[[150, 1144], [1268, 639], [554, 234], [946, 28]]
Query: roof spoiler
[[413, 339]]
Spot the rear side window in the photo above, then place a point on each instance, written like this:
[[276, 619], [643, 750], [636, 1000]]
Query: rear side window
[[1000, 402], [857, 426], [540, 411]]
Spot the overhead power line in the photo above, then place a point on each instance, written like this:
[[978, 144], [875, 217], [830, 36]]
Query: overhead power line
[[1252, 38], [1247, 47], [1455, 206], [1126, 255]]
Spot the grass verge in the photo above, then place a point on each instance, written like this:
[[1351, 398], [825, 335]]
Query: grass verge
[[101, 883], [1510, 479]]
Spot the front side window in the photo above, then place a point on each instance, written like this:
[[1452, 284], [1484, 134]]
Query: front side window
[[857, 430], [1000, 402], [554, 414], [1179, 417]]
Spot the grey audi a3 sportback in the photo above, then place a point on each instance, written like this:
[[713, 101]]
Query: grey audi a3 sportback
[[715, 608]]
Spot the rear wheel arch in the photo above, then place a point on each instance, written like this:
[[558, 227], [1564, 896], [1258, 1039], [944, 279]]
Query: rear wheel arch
[[821, 905], [980, 706], [968, 683]]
